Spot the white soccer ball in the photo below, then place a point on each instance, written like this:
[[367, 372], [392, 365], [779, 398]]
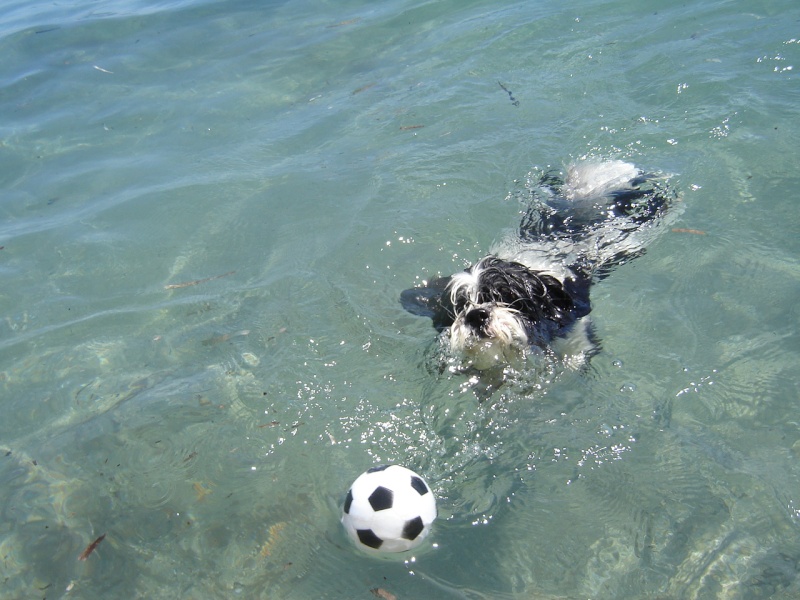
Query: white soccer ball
[[389, 509]]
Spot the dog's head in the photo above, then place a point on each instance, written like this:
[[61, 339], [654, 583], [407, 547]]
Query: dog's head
[[502, 308], [496, 310]]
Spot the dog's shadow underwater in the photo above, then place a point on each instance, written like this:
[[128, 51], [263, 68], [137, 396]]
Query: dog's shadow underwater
[[530, 295]]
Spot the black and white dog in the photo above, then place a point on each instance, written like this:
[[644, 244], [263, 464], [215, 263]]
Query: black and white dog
[[531, 294]]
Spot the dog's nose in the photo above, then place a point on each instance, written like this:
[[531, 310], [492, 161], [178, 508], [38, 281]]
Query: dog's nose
[[476, 318]]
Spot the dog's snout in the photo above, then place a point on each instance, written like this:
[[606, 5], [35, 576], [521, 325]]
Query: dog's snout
[[476, 318]]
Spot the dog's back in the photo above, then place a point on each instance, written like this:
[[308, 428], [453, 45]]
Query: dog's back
[[601, 215]]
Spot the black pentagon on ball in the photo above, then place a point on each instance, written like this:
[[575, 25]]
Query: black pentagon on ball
[[419, 485], [378, 468], [368, 538], [413, 528], [348, 501], [381, 498]]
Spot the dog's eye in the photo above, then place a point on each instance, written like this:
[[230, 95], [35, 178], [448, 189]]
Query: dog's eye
[[460, 302]]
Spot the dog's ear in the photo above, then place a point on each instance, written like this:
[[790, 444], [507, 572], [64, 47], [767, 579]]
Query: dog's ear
[[430, 301]]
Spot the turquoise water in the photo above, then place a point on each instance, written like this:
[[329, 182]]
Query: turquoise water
[[209, 211]]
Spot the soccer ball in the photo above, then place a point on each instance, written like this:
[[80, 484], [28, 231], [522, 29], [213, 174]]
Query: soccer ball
[[389, 509]]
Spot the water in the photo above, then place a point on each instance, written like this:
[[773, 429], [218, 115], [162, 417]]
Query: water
[[209, 211]]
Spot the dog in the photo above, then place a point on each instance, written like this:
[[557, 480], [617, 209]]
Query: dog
[[531, 293]]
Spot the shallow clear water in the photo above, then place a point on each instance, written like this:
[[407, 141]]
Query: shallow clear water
[[209, 211]]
